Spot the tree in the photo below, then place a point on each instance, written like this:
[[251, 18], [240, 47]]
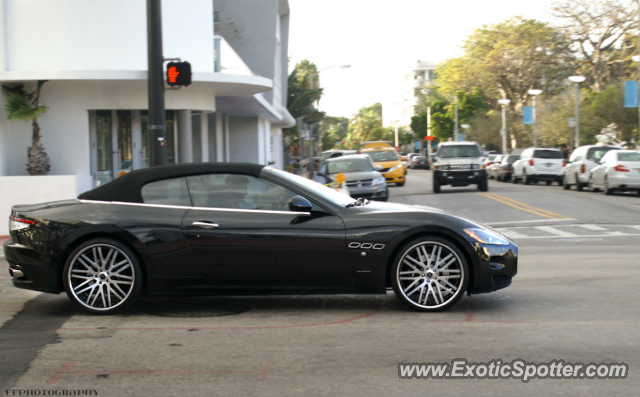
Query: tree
[[23, 106], [365, 121], [508, 59], [598, 28]]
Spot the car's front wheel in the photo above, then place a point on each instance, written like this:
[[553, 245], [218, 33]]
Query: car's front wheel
[[102, 276], [483, 186], [429, 274]]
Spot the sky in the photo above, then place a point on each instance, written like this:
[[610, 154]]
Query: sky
[[382, 40]]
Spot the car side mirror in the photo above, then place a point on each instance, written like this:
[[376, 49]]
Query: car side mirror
[[299, 204], [378, 167]]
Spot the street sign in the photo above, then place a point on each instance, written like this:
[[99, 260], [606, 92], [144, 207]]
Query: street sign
[[527, 114], [503, 132], [428, 138], [572, 122], [178, 74], [630, 94]]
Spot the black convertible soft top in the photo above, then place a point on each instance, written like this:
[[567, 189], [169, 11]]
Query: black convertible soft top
[[128, 187]]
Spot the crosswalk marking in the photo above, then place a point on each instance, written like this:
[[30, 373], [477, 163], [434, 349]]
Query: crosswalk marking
[[558, 232], [594, 227], [564, 231]]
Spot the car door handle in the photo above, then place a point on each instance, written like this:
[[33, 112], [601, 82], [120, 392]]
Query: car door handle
[[205, 225]]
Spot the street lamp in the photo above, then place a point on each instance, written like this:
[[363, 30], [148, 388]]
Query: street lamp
[[535, 93], [455, 101], [577, 80], [503, 131], [466, 130]]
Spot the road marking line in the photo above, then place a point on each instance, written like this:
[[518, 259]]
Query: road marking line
[[555, 231], [511, 233], [534, 221], [528, 206], [595, 228], [517, 207]]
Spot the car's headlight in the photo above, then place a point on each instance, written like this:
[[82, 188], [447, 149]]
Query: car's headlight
[[395, 167], [444, 167], [486, 237], [475, 166], [379, 181]]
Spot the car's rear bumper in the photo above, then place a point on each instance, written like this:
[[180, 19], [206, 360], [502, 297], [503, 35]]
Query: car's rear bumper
[[547, 177], [460, 178], [395, 176], [498, 266], [630, 181], [29, 269]]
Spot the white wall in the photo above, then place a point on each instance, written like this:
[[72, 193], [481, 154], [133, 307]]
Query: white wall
[[102, 34], [65, 126], [243, 139], [19, 190]]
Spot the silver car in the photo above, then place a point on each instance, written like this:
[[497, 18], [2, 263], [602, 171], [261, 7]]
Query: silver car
[[362, 178]]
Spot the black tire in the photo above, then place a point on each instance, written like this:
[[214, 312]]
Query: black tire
[[564, 184], [549, 183], [82, 264], [579, 185], [400, 183], [608, 191], [514, 180], [525, 178], [405, 288], [483, 186], [591, 187], [436, 185]]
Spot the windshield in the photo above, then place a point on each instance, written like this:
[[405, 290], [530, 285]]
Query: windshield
[[349, 165], [547, 154], [383, 155], [512, 159], [629, 156], [459, 151], [317, 188], [325, 156], [596, 153]]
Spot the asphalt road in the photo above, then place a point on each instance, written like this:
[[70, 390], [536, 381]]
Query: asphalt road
[[575, 298]]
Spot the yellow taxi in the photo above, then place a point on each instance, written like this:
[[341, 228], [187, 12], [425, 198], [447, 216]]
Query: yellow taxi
[[385, 156]]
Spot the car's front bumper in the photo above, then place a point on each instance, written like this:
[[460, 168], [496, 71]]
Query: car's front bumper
[[460, 177], [395, 176], [498, 264], [376, 192]]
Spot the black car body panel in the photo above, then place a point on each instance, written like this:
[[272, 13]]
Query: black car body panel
[[331, 249]]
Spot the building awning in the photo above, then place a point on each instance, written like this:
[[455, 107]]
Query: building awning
[[254, 106]]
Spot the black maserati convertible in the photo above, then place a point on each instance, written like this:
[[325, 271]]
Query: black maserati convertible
[[228, 229]]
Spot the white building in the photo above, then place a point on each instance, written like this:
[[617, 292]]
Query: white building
[[94, 56], [421, 76]]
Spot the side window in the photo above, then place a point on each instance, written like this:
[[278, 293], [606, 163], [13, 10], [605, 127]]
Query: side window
[[577, 155], [167, 192], [238, 191]]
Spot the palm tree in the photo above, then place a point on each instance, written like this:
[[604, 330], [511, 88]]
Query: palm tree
[[24, 106]]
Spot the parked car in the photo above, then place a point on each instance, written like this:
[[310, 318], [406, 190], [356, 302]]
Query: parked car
[[506, 167], [539, 164], [362, 178], [329, 154], [488, 160], [419, 162], [582, 161], [459, 164], [618, 170], [492, 167], [228, 229]]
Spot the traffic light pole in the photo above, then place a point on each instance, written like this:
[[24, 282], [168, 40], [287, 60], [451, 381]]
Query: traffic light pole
[[157, 125]]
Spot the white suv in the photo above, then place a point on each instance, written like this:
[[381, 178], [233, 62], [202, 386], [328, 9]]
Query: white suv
[[582, 161], [539, 164]]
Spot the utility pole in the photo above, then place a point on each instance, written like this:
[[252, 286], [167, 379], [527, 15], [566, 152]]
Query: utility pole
[[300, 142], [429, 134], [157, 132]]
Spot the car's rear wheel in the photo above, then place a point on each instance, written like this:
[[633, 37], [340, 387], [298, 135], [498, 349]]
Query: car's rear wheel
[[525, 178], [429, 274], [579, 185], [564, 183], [514, 180], [102, 276], [606, 189]]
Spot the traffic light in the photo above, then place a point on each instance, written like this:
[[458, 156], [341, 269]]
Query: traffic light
[[178, 74]]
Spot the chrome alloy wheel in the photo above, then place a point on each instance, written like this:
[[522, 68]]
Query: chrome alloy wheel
[[101, 277], [430, 275]]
